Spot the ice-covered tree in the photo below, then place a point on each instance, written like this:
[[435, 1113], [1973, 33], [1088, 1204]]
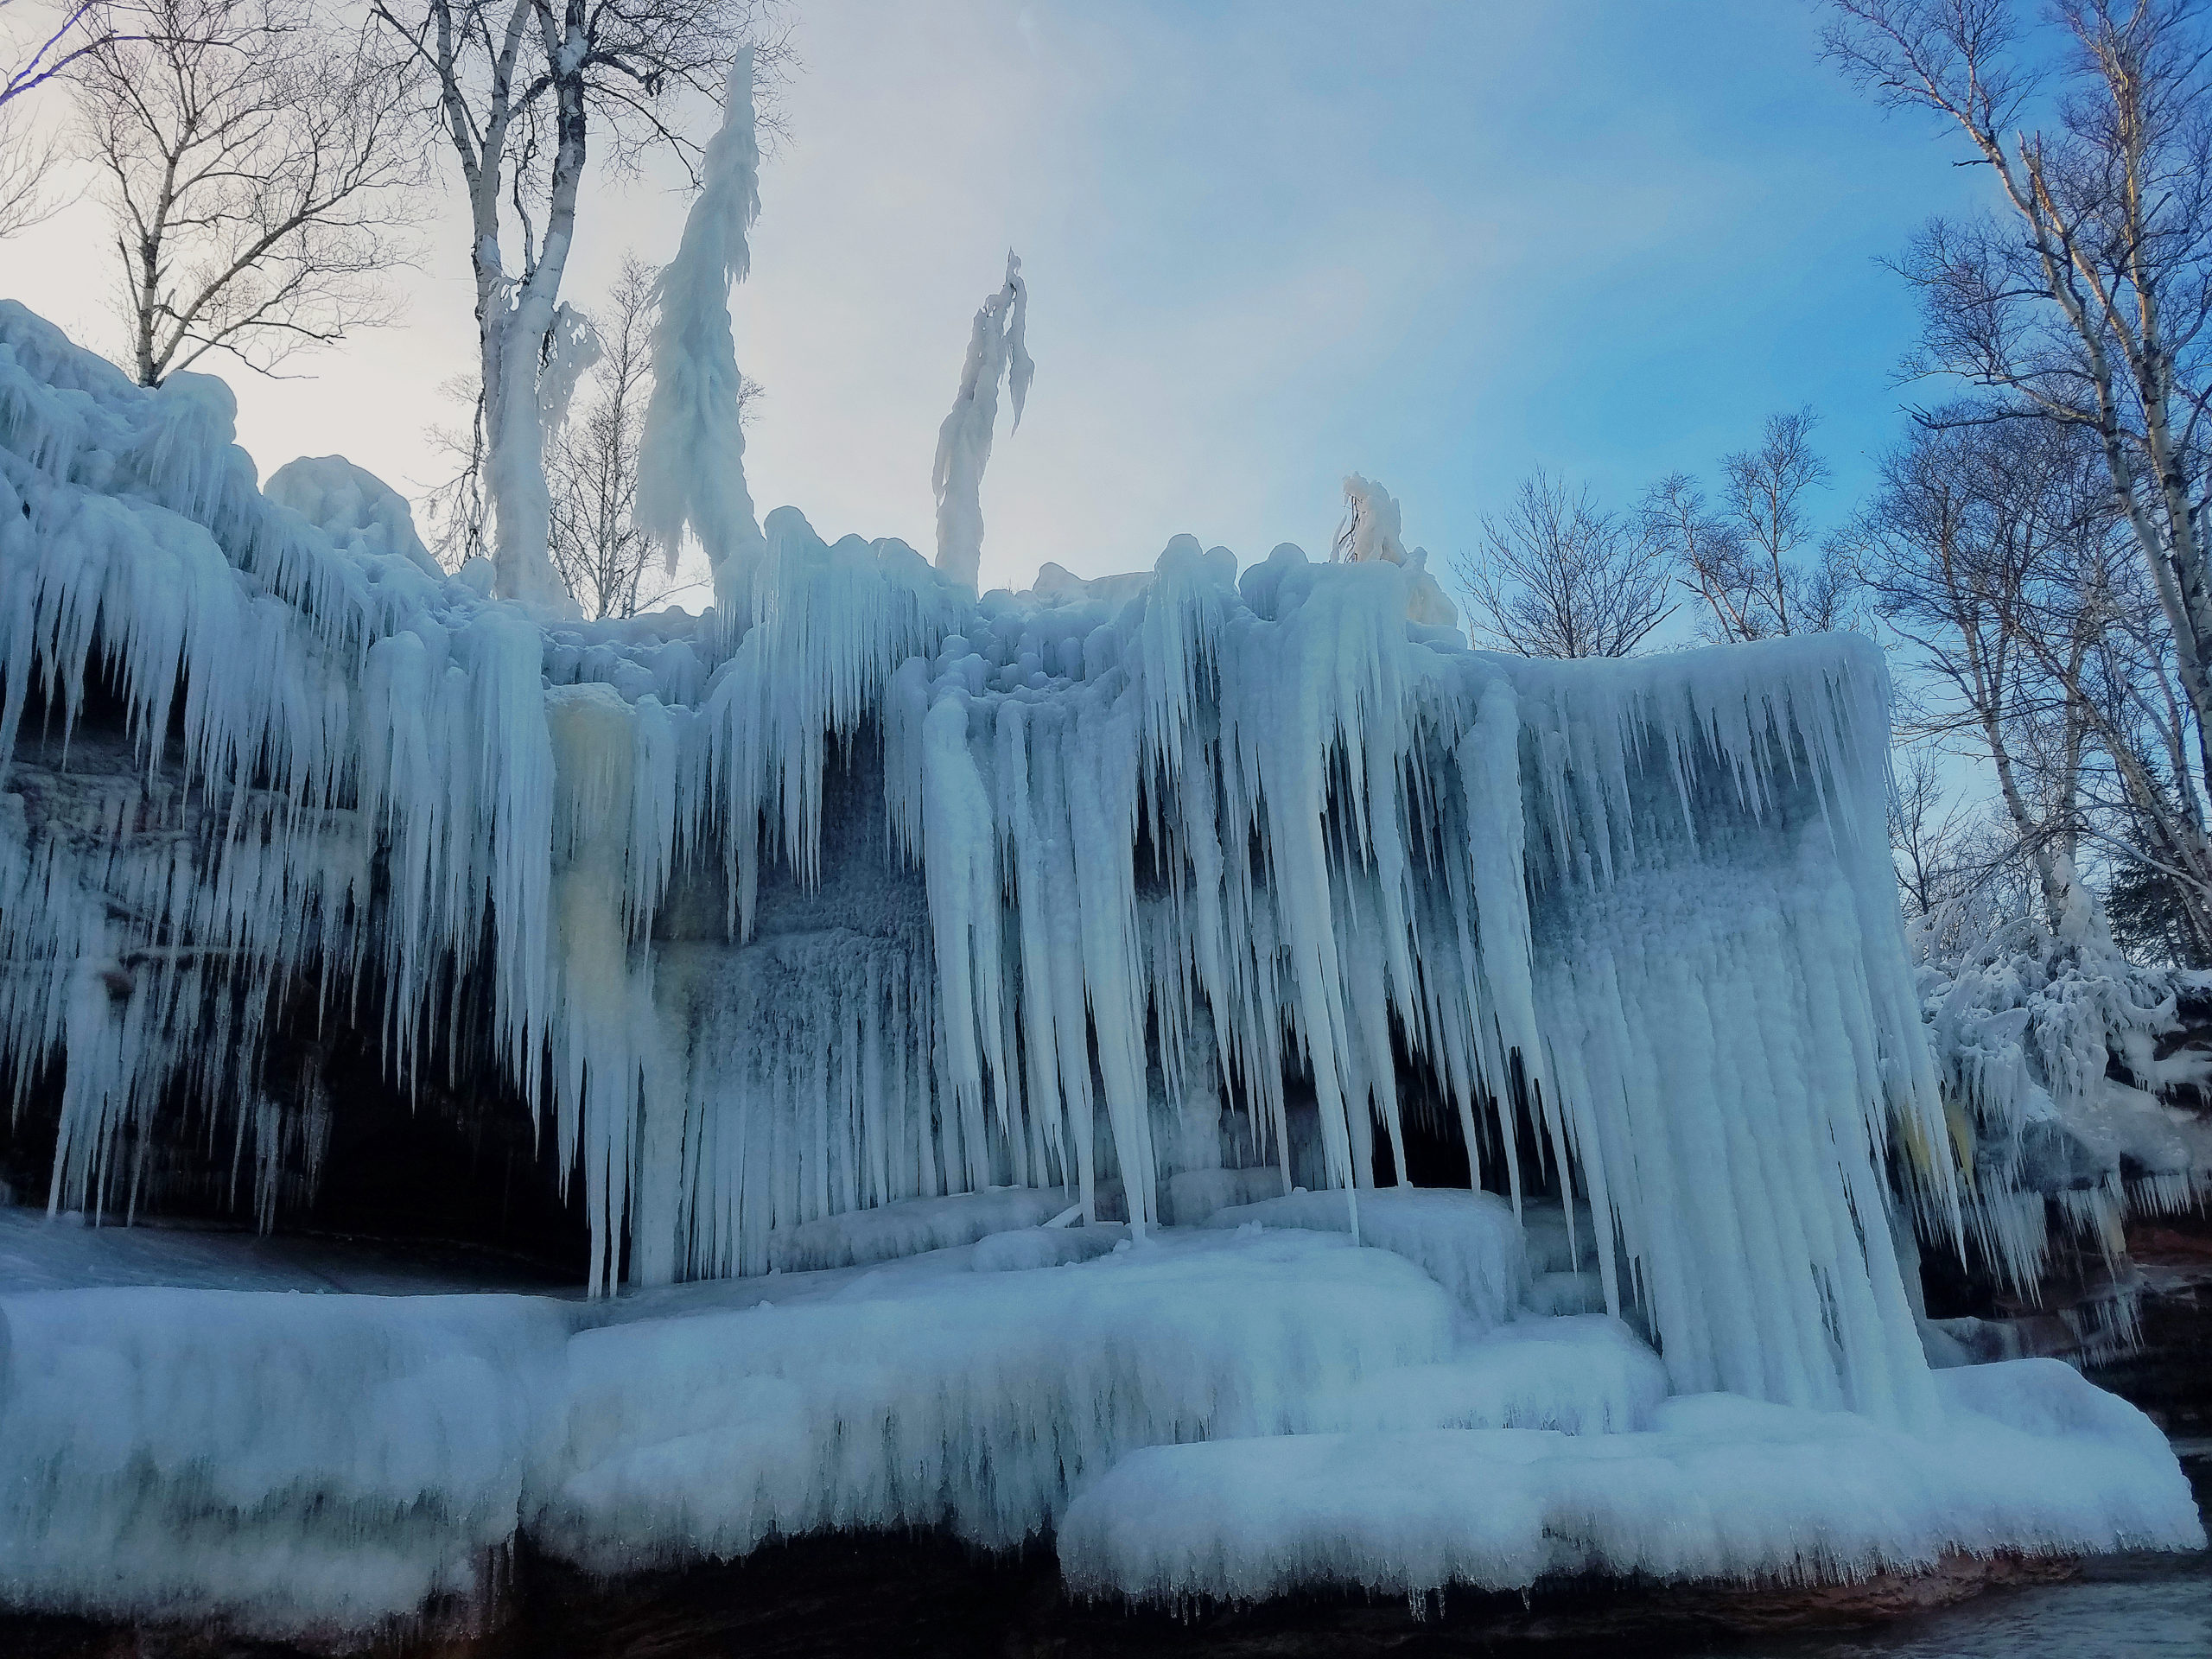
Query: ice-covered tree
[[997, 351], [692, 457], [522, 88], [603, 556]]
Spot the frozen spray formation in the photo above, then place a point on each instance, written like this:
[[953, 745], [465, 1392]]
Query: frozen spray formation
[[692, 457], [1126, 865], [1123, 903], [998, 350]]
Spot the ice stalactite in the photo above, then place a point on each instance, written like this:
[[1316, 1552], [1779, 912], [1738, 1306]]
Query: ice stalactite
[[2049, 1044], [997, 351], [902, 893], [691, 455], [906, 919]]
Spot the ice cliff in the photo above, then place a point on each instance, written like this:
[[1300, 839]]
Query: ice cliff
[[1141, 900]]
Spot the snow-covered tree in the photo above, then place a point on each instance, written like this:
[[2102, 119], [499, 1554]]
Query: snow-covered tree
[[691, 457], [522, 86], [997, 351]]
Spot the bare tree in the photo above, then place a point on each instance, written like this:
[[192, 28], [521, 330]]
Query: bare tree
[[520, 87], [2083, 300], [255, 169], [607, 563], [1752, 560], [1558, 575], [1766, 492], [81, 25], [1949, 547], [1997, 556], [1709, 555], [29, 160], [1931, 838]]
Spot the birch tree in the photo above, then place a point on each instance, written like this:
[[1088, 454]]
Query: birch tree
[[1752, 557], [1998, 559], [28, 159], [2083, 297], [524, 90], [256, 170]]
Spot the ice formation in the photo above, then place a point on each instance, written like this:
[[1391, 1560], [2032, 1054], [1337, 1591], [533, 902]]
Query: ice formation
[[997, 350], [691, 455], [1222, 1413], [1372, 528], [1139, 878], [957, 955], [2035, 1459]]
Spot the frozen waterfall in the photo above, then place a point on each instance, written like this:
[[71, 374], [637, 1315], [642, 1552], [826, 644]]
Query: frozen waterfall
[[962, 956]]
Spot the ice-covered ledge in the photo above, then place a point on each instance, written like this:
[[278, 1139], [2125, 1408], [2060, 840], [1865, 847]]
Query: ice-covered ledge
[[1231, 1413]]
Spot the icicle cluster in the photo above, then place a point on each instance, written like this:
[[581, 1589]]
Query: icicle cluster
[[2048, 1052], [905, 893]]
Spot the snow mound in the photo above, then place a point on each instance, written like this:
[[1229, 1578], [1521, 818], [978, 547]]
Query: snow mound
[[2030, 1457], [360, 513]]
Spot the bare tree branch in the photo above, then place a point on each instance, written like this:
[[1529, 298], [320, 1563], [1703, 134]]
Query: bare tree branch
[[1558, 575], [258, 169]]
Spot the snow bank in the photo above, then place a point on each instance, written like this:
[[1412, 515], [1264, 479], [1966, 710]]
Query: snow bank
[[2028, 1457]]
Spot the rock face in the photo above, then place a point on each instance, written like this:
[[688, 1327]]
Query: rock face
[[887, 1594]]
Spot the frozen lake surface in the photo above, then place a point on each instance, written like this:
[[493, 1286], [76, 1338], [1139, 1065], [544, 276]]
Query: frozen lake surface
[[2124, 1607]]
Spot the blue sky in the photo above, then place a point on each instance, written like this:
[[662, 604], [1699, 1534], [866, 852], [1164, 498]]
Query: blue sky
[[1437, 243]]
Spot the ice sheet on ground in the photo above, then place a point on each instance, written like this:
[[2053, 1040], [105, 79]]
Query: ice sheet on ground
[[298, 1462], [66, 1252]]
